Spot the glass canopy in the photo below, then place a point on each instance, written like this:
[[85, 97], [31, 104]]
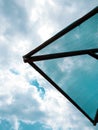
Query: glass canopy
[[84, 36], [69, 61]]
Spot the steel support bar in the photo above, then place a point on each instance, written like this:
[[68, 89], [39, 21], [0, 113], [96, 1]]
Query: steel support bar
[[61, 55]]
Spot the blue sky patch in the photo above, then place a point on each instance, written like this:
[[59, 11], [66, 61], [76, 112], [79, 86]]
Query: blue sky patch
[[5, 125], [40, 89], [14, 71], [36, 126]]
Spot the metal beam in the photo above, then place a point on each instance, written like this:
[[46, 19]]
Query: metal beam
[[91, 52]]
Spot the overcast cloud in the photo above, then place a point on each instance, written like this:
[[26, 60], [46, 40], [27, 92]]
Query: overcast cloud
[[26, 97]]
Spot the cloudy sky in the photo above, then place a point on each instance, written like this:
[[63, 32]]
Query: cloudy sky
[[27, 100]]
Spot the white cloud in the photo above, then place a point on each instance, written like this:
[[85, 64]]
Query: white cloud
[[20, 101], [45, 32]]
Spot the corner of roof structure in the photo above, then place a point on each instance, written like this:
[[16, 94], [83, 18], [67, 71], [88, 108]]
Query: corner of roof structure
[[96, 118], [25, 59], [97, 8], [90, 51]]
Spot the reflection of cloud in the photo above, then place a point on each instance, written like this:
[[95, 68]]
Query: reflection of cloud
[[66, 65]]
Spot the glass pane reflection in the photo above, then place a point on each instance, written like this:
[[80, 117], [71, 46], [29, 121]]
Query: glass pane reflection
[[78, 77]]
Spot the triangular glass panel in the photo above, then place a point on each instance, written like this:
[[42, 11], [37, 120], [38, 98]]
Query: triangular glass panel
[[84, 36], [77, 77]]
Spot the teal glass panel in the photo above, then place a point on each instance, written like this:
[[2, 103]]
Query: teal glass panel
[[78, 77], [84, 36]]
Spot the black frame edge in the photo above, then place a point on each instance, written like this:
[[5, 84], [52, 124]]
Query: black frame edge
[[96, 118]]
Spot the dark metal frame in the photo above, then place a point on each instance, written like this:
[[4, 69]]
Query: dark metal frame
[[29, 58]]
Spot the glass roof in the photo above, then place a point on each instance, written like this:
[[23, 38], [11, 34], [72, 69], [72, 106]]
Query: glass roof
[[84, 36], [69, 61]]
